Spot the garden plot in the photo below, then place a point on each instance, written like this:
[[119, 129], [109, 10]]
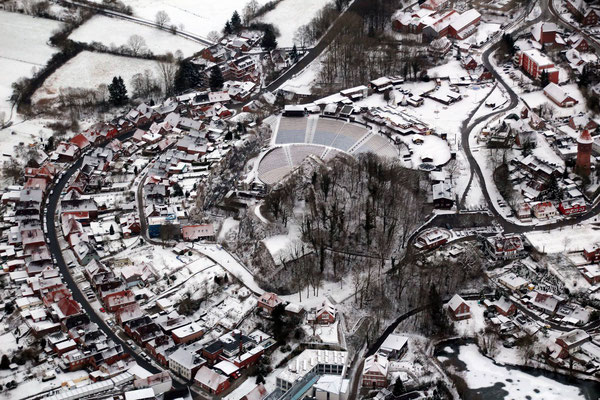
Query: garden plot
[[114, 32], [23, 40], [88, 70], [288, 17]]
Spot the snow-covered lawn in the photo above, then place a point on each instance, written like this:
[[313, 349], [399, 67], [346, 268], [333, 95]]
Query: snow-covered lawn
[[23, 40], [484, 31], [536, 99], [28, 131], [472, 326], [303, 82], [116, 32], [198, 17], [483, 373], [569, 239], [448, 118], [289, 15], [89, 70]]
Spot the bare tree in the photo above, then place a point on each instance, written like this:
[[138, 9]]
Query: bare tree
[[250, 11], [12, 169], [162, 18], [167, 71], [213, 36], [137, 44]]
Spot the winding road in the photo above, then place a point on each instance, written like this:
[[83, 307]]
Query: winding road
[[469, 125], [54, 246]]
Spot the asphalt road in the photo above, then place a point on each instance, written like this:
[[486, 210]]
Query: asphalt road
[[55, 250]]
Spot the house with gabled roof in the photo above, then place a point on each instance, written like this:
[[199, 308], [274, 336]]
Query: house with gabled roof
[[375, 371], [458, 308], [268, 301]]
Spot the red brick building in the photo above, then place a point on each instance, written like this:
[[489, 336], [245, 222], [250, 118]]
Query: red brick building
[[584, 153], [533, 62], [375, 371], [582, 12], [592, 253], [572, 207]]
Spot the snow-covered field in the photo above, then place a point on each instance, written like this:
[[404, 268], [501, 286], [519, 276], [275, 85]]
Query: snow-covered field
[[198, 17], [568, 239], [116, 32], [89, 70], [483, 373], [23, 42], [289, 15]]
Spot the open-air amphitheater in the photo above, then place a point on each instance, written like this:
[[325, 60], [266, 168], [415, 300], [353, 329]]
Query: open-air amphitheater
[[297, 138]]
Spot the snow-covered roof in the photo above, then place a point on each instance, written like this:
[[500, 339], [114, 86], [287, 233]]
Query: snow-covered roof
[[393, 343], [465, 19], [556, 92], [376, 363], [537, 57], [455, 302]]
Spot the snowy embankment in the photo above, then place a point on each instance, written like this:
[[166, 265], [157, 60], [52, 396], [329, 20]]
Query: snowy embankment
[[289, 15], [222, 257], [197, 17], [23, 40], [115, 32]]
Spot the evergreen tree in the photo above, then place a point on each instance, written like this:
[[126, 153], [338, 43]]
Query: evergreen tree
[[111, 231], [398, 387], [544, 79], [269, 42], [509, 43], [228, 30], [294, 54], [439, 318], [5, 362], [118, 91], [216, 79], [187, 77], [236, 22], [177, 190], [584, 78]]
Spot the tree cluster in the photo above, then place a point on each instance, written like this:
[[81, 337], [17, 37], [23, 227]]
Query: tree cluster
[[355, 56]]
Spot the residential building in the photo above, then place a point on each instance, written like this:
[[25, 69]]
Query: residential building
[[375, 371], [559, 96], [533, 62], [458, 308]]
